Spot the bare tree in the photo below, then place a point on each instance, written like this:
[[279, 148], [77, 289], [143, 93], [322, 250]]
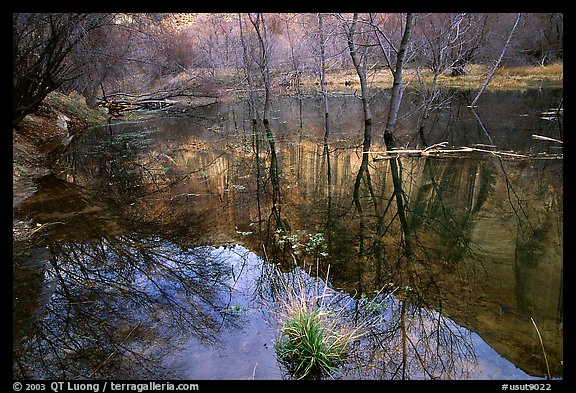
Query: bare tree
[[42, 44], [470, 38], [442, 42], [259, 24], [397, 68], [247, 72], [322, 45], [497, 64], [396, 97], [539, 40], [106, 55], [359, 61]]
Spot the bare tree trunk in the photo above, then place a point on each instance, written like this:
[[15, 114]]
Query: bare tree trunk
[[361, 71], [297, 72], [396, 97], [395, 100], [260, 28], [251, 102], [497, 62], [326, 151], [363, 171], [323, 76], [259, 25]]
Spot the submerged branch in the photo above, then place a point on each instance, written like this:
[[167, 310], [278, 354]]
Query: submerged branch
[[461, 152], [542, 345], [545, 138]]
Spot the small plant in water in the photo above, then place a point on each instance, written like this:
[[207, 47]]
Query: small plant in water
[[309, 346], [237, 309], [313, 338], [314, 246]]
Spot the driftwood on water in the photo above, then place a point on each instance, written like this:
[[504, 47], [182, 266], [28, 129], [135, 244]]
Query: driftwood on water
[[440, 150], [116, 107], [121, 102]]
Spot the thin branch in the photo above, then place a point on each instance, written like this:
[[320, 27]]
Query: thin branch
[[543, 350], [491, 75]]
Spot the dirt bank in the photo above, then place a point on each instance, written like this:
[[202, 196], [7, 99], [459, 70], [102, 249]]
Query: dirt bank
[[42, 136], [38, 141]]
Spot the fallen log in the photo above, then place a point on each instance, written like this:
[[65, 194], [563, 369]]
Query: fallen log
[[503, 153], [116, 107], [462, 152], [431, 151], [155, 104]]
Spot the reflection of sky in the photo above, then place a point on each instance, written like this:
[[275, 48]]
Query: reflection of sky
[[132, 299], [247, 352], [244, 349], [244, 352], [493, 366]]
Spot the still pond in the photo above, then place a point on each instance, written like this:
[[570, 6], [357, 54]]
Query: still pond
[[163, 247]]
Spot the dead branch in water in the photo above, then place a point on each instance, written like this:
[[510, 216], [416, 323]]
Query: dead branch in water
[[115, 107], [439, 150], [545, 138], [542, 345], [148, 101]]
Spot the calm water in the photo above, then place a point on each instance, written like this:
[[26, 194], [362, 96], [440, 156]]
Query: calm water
[[163, 248]]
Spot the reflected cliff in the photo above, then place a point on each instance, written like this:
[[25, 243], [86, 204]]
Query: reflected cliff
[[455, 249]]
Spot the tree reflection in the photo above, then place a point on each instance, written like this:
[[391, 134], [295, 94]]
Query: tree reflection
[[416, 341], [464, 224], [118, 306], [412, 342], [474, 242]]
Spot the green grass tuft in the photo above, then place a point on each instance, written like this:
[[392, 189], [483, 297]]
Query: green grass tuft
[[309, 344], [314, 336]]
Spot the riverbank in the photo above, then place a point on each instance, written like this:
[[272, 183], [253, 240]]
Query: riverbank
[[38, 141], [43, 135], [506, 78]]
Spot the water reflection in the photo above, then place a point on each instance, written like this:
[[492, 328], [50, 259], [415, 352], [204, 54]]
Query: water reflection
[[112, 306], [454, 248], [415, 343], [458, 221]]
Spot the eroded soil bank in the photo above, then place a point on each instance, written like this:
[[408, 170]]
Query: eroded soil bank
[[37, 143]]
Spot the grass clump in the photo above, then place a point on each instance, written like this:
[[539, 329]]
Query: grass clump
[[310, 345], [314, 337]]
